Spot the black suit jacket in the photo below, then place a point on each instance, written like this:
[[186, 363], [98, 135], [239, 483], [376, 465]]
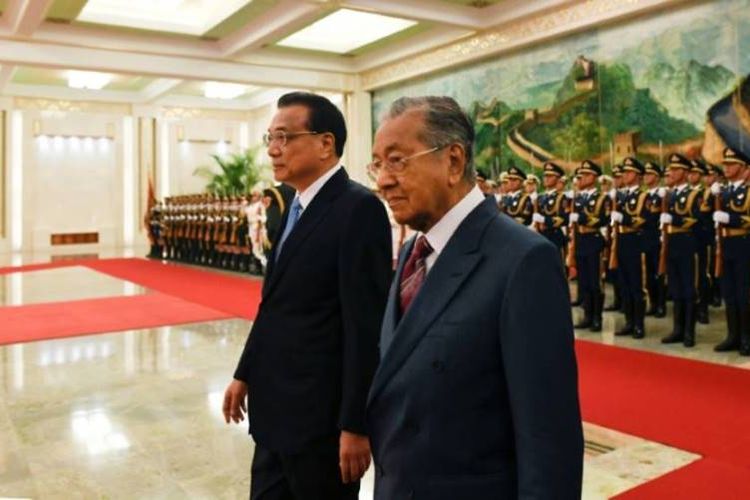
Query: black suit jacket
[[476, 394], [312, 351]]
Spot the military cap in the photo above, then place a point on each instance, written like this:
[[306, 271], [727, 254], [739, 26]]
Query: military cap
[[605, 179], [698, 167], [481, 177], [516, 173], [633, 165], [503, 177], [589, 167], [491, 183], [532, 179], [552, 168], [617, 171], [653, 168], [715, 170], [676, 160], [734, 156]]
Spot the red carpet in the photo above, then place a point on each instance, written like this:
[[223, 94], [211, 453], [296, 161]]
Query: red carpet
[[695, 406], [83, 317], [233, 295]]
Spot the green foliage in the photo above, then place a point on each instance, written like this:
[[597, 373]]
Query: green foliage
[[578, 140], [238, 173]]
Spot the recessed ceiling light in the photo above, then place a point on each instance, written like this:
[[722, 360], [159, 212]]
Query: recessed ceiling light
[[88, 80], [346, 30], [191, 17], [219, 90]]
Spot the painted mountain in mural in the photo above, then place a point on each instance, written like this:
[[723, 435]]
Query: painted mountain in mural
[[492, 123], [587, 122], [688, 91]]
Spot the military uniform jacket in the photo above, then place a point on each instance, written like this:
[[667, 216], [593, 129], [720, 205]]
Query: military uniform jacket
[[684, 206], [706, 233], [735, 200], [553, 206], [652, 214], [518, 205], [593, 209]]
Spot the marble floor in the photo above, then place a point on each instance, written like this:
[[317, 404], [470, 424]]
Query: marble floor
[[136, 414]]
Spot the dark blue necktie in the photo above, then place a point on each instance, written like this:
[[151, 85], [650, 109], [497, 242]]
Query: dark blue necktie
[[294, 212]]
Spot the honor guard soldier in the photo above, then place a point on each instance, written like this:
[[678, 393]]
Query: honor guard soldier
[[655, 285], [705, 232], [628, 219], [590, 214], [552, 206], [733, 220], [681, 250], [715, 175], [155, 231], [531, 184], [517, 204], [613, 188]]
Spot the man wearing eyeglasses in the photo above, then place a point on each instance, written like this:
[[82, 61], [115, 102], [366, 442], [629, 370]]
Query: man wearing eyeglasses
[[476, 393], [312, 351]]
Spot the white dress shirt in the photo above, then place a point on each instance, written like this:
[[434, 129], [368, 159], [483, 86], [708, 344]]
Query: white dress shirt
[[439, 235], [306, 197]]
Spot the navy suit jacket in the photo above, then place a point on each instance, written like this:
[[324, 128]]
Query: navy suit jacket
[[312, 350], [476, 393]]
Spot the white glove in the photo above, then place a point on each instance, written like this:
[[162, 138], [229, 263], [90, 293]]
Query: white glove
[[616, 216], [719, 216], [534, 196], [573, 219], [665, 219], [613, 194], [538, 218], [715, 189], [662, 192], [603, 231]]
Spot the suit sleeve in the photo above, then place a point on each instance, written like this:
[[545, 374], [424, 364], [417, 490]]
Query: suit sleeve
[[536, 336], [364, 279]]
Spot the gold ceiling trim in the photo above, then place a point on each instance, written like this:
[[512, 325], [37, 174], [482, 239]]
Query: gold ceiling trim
[[36, 104], [561, 22], [215, 114]]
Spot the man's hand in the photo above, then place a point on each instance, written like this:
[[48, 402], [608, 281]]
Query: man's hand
[[234, 402], [354, 456]]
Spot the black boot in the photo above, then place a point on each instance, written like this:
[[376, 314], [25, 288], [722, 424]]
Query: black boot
[[745, 330], [639, 315], [586, 305], [702, 308], [732, 342], [596, 313], [688, 339], [678, 324], [716, 292], [627, 308], [653, 302], [661, 298]]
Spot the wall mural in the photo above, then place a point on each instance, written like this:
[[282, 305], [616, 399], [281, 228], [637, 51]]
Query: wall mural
[[677, 81]]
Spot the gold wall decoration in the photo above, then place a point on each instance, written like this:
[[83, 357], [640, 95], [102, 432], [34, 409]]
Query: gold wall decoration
[[556, 23], [29, 103], [216, 114]]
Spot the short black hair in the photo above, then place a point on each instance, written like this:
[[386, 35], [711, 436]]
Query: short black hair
[[323, 115]]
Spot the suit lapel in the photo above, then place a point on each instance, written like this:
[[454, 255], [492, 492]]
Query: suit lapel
[[311, 216], [454, 265]]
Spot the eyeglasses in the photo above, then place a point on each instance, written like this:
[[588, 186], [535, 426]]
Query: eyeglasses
[[281, 138], [396, 165]]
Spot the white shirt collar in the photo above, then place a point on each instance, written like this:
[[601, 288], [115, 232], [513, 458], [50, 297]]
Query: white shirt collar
[[306, 196], [653, 190], [633, 189], [682, 187], [515, 193], [589, 191], [551, 191], [738, 183], [439, 235]]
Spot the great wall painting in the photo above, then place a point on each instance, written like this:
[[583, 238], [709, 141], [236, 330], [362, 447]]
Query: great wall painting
[[677, 81]]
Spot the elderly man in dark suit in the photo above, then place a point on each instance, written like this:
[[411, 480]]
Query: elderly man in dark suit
[[312, 351], [476, 393]]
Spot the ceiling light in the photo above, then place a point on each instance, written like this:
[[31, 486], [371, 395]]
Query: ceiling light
[[190, 17], [88, 80], [346, 30], [219, 90]]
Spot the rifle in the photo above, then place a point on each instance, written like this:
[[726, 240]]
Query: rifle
[[613, 261], [570, 261], [719, 258], [664, 251]]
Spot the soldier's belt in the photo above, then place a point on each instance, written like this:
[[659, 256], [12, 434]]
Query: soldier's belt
[[728, 232], [627, 230], [678, 230], [588, 230]]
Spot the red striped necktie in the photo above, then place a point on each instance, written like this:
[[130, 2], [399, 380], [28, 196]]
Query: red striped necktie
[[414, 273]]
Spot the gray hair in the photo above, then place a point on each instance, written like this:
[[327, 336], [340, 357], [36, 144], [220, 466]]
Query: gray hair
[[445, 123]]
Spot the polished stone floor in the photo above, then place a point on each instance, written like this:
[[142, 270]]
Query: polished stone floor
[[137, 414]]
